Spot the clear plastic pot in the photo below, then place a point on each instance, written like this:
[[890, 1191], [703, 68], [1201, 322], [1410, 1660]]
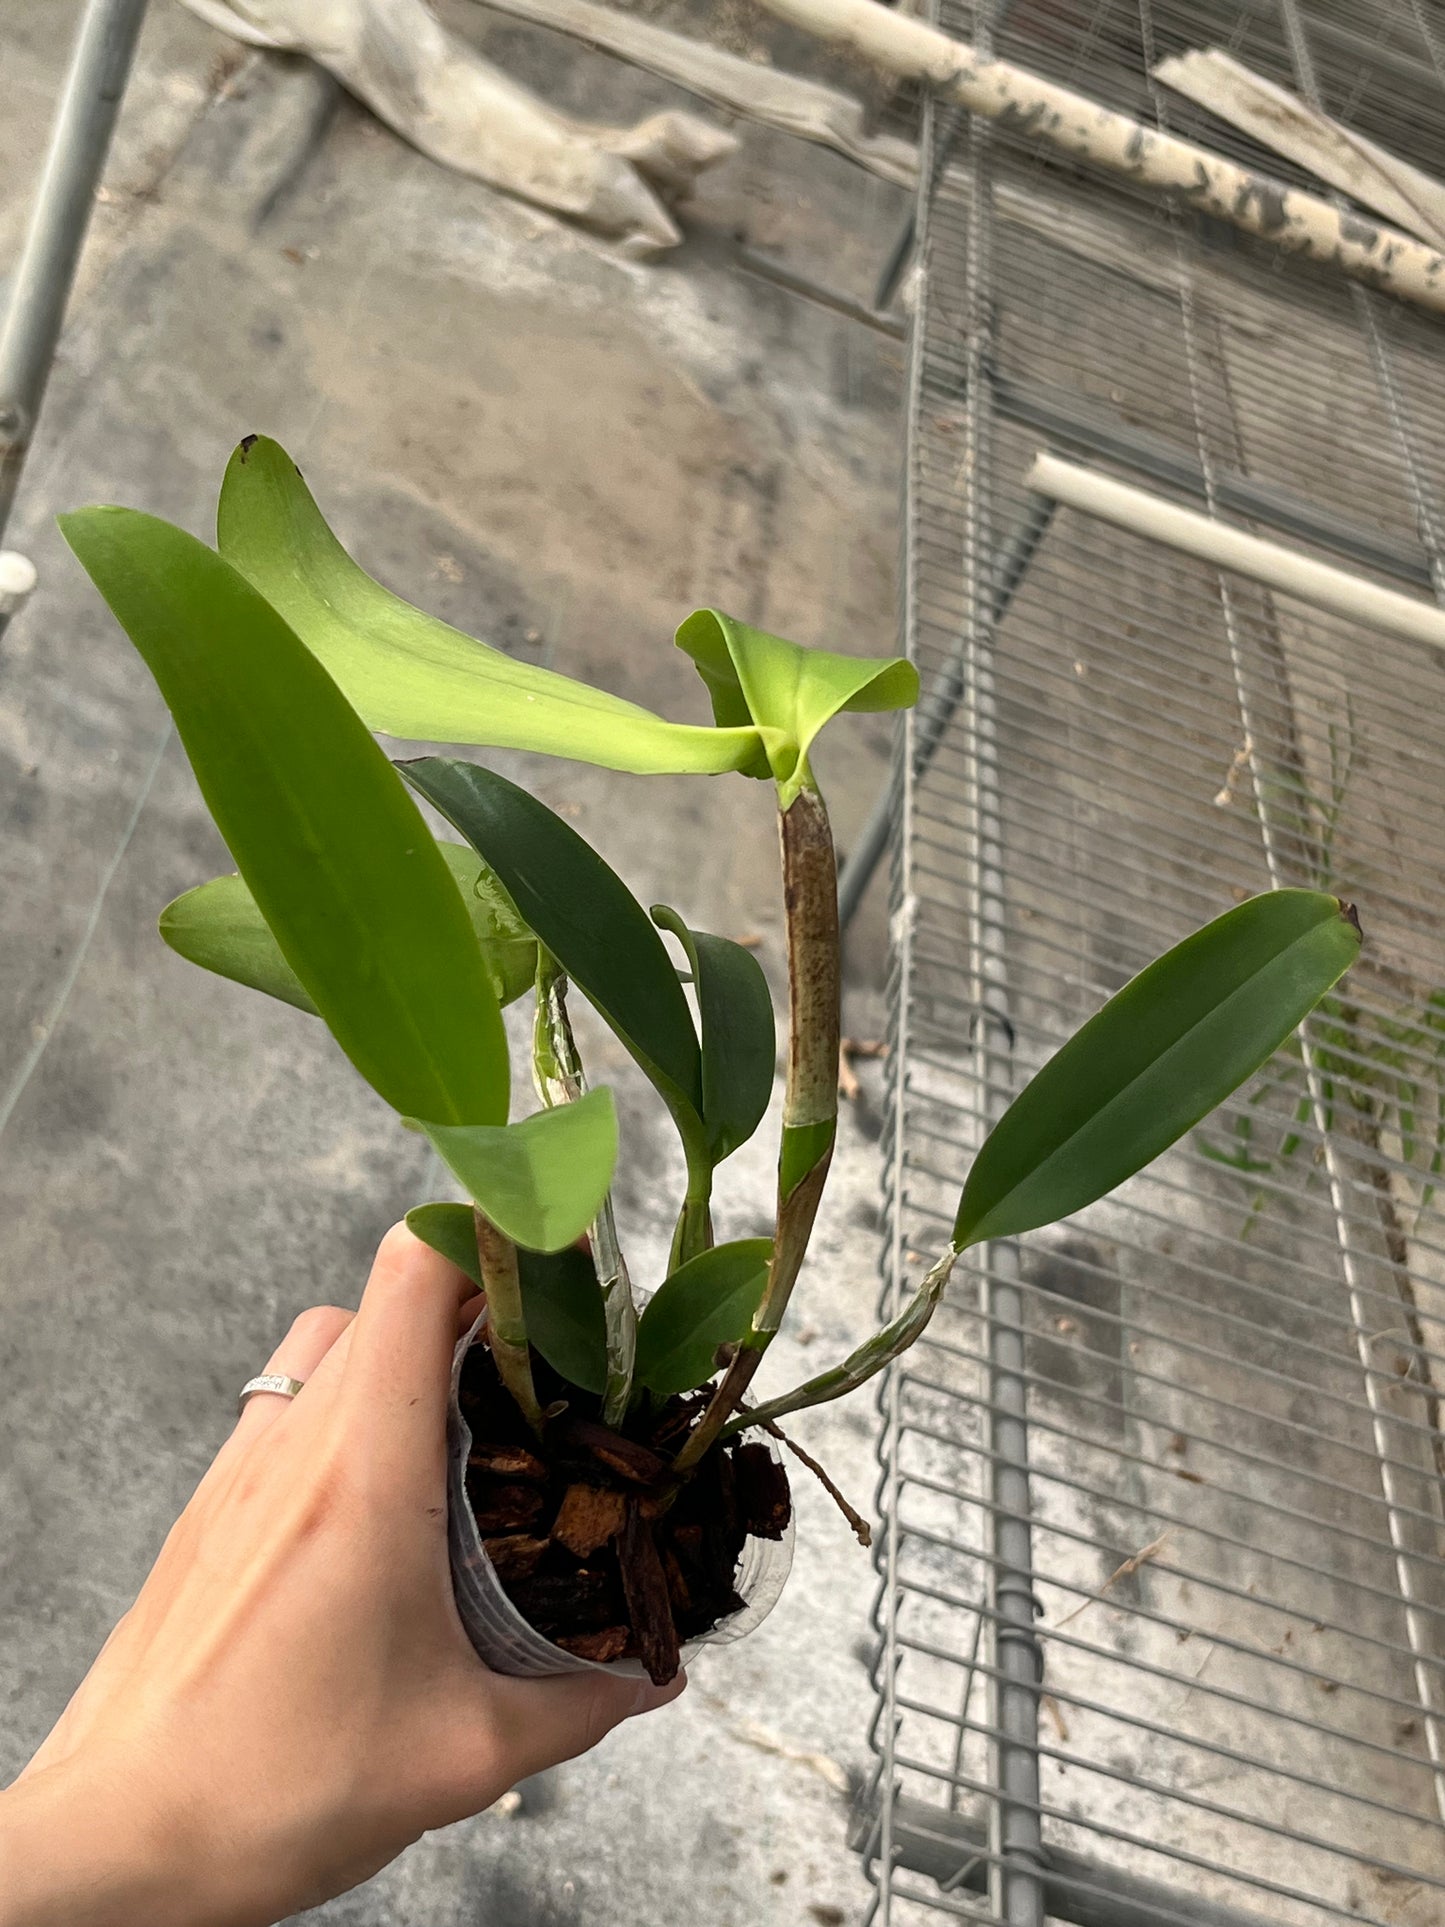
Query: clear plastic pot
[[503, 1639]]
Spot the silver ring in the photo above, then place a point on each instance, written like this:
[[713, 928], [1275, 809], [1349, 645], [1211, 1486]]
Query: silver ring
[[269, 1382]]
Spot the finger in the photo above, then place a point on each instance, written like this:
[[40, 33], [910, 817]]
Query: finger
[[299, 1355], [528, 1725], [399, 1366]]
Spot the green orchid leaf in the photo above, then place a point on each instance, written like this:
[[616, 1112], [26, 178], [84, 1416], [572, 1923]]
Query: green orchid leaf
[[583, 915], [707, 1302], [739, 1037], [560, 1298], [218, 926], [411, 675], [565, 1319], [450, 1229], [332, 848], [542, 1180], [787, 691], [1156, 1059]]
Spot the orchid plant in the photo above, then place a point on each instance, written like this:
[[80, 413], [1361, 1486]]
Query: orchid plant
[[279, 657]]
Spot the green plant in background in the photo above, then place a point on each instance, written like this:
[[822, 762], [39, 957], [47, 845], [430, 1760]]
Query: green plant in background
[[1380, 1075], [278, 657]]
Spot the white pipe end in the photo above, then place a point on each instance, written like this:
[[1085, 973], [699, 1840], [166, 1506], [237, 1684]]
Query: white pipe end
[[17, 580]]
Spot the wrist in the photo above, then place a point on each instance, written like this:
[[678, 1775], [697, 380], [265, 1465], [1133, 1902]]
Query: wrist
[[75, 1855]]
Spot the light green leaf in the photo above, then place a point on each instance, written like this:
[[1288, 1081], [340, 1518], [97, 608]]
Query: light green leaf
[[707, 1302], [739, 1039], [583, 914], [333, 849], [450, 1229], [787, 691], [1161, 1054], [541, 1180], [560, 1296], [218, 926], [411, 675]]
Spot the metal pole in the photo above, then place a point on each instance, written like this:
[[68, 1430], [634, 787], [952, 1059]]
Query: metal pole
[[952, 1848], [937, 710], [89, 103], [1016, 1889]]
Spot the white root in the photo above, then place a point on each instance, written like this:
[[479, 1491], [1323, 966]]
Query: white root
[[1086, 130], [456, 107]]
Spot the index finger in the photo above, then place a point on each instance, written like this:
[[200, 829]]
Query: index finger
[[399, 1361]]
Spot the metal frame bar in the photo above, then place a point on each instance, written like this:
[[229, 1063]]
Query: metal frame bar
[[936, 712], [1015, 1878], [963, 678], [952, 1849], [40, 288], [1065, 420]]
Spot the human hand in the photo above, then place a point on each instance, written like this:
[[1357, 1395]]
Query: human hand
[[292, 1700]]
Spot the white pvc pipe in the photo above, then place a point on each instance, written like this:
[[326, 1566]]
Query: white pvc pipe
[[17, 581], [1085, 129], [1293, 574]]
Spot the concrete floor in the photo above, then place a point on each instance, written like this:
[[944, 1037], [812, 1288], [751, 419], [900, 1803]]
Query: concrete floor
[[561, 452]]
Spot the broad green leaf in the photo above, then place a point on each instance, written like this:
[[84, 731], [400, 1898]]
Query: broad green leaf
[[787, 691], [1171, 1045], [708, 1302], [333, 849], [451, 1230], [541, 1180], [218, 926], [739, 1039], [411, 675], [583, 914], [560, 1297], [563, 1305]]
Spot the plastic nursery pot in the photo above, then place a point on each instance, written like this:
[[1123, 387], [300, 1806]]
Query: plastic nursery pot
[[504, 1640]]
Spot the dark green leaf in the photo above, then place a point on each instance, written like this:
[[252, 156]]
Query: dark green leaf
[[335, 852], [789, 692], [411, 675], [739, 1040], [541, 1180], [583, 913], [708, 1302], [565, 1321], [218, 926], [1160, 1055], [560, 1297]]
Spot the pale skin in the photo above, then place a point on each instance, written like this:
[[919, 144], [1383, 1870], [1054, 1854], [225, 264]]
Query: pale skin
[[292, 1700]]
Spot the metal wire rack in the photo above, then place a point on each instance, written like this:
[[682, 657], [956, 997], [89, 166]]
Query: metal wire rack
[[1162, 1579]]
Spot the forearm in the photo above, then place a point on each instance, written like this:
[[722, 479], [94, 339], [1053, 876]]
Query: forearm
[[83, 1857]]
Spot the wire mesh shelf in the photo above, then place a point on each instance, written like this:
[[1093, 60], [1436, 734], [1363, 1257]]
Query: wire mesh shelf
[[1162, 1581]]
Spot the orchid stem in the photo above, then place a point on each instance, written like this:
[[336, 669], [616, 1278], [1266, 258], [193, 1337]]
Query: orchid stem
[[810, 1101], [506, 1321], [560, 1079], [871, 1356]]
